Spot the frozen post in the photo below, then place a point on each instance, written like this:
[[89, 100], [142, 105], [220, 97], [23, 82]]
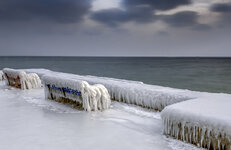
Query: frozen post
[[1, 75], [77, 93], [21, 80]]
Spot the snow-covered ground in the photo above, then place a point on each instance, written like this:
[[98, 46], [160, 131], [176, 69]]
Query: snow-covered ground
[[29, 122]]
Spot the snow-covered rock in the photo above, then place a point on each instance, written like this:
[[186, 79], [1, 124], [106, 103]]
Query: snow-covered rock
[[205, 122], [21, 79], [1, 75], [131, 92], [92, 97]]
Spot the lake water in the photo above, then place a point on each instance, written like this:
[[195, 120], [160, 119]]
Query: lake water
[[199, 74]]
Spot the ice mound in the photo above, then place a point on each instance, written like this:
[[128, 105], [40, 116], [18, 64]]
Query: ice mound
[[1, 75], [76, 92], [131, 92], [22, 80], [203, 122]]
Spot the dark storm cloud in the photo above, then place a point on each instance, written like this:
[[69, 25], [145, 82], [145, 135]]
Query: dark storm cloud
[[224, 9], [143, 11], [180, 19], [221, 7], [61, 11], [113, 17], [156, 4], [185, 19]]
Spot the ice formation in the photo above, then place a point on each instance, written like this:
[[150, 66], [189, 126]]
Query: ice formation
[[200, 118], [203, 122], [20, 79], [1, 75], [131, 92], [92, 97]]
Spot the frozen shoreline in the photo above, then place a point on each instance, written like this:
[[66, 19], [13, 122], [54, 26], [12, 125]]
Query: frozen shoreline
[[31, 122], [180, 108]]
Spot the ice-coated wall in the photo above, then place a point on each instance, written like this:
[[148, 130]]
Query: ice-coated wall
[[21, 79], [131, 92], [93, 97], [203, 122]]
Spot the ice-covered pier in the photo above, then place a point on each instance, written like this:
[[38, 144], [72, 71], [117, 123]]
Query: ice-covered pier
[[199, 118], [131, 92]]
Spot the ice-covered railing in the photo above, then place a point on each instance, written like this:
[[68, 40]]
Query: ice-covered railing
[[131, 92], [1, 75], [203, 122], [22, 80], [76, 92]]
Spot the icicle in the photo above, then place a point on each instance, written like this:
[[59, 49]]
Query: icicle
[[20, 79], [92, 97], [1, 75], [211, 138]]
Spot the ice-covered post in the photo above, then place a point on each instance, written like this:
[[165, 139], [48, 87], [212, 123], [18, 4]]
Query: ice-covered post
[[21, 80], [77, 93], [1, 75]]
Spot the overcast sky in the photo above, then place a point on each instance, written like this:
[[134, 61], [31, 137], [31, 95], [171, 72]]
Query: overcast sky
[[115, 27]]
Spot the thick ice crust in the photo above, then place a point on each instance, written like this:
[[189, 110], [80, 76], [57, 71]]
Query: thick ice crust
[[131, 92], [202, 122], [20, 79], [92, 97], [1, 75]]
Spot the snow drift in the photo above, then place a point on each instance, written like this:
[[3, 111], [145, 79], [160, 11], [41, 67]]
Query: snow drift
[[1, 75], [131, 92], [19, 79], [76, 92], [202, 122]]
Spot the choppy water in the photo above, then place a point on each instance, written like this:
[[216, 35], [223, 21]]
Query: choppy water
[[200, 74]]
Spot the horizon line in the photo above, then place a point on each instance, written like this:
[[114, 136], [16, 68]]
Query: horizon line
[[121, 56]]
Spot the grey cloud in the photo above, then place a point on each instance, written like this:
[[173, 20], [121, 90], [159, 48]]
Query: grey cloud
[[141, 11], [156, 4], [185, 19], [113, 17], [181, 19], [221, 7], [61, 11], [225, 13], [202, 27]]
